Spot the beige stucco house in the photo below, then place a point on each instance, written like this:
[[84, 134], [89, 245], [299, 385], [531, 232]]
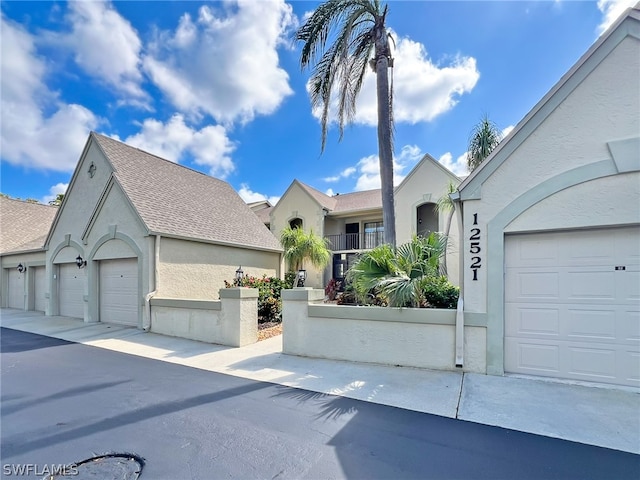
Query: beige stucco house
[[134, 226], [352, 222], [24, 230], [551, 242]]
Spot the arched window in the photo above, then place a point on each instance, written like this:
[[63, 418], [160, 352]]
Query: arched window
[[295, 223], [427, 219]]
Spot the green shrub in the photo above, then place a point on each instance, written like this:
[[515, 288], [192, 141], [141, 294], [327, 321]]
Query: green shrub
[[269, 294], [439, 293]]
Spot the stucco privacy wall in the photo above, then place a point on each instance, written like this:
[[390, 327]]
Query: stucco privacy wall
[[198, 270], [556, 171], [423, 338], [297, 203], [232, 321]]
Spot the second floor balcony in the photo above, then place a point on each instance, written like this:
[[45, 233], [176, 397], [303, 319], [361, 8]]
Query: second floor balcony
[[355, 241]]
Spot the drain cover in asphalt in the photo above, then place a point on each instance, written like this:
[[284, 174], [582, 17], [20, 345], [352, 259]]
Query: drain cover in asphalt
[[112, 466]]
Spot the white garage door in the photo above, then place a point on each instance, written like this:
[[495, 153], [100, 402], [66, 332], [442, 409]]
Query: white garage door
[[40, 302], [71, 282], [572, 305], [119, 291], [16, 289]]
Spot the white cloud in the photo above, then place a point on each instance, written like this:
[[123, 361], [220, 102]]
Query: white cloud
[[105, 46], [209, 146], [347, 172], [422, 89], [611, 10], [458, 166], [507, 130], [369, 168], [224, 63], [54, 191], [31, 136], [249, 196], [330, 192]]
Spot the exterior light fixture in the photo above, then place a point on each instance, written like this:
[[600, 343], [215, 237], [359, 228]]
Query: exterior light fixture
[[80, 262], [21, 268], [302, 276], [239, 276]]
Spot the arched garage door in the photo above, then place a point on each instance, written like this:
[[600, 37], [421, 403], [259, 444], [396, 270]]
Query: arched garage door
[[572, 305], [16, 289], [119, 291], [71, 283]]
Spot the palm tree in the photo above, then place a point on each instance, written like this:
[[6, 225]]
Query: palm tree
[[58, 200], [484, 137], [445, 205], [360, 40], [300, 246], [399, 274]]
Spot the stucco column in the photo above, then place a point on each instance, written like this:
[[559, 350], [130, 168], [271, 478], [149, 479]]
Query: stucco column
[[239, 316], [295, 314]]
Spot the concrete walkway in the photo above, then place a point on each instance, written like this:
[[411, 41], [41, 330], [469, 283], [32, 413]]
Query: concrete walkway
[[595, 415]]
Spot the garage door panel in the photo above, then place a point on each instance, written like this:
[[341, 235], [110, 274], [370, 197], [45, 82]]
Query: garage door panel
[[590, 329], [119, 291], [596, 324], [71, 281], [16, 290], [40, 286]]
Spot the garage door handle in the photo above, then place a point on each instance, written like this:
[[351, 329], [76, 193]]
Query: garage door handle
[[620, 267]]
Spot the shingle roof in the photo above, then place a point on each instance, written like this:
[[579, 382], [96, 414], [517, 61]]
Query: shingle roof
[[366, 200], [264, 214], [325, 201], [24, 225], [174, 200]]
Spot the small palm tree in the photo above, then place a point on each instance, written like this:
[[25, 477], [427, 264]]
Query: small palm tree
[[484, 137], [300, 246], [360, 40], [445, 205], [399, 274]]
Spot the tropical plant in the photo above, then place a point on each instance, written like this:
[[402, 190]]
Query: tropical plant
[[299, 246], [58, 200], [360, 39], [399, 274], [445, 206], [269, 294], [484, 137]]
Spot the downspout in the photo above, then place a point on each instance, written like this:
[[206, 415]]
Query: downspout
[[147, 298], [459, 343]]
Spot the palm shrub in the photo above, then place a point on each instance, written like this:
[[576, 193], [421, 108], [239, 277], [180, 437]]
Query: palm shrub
[[406, 276], [299, 246]]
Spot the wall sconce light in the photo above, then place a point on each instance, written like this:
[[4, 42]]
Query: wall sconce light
[[21, 268], [302, 276], [80, 262], [239, 276]]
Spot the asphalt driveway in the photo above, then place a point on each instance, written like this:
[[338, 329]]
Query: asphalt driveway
[[64, 402]]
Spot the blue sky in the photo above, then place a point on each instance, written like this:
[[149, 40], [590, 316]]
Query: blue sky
[[216, 86]]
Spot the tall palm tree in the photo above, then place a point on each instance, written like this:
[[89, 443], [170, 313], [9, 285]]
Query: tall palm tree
[[484, 137], [360, 39], [300, 246], [445, 205]]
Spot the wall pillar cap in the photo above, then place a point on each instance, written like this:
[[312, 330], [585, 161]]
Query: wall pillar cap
[[239, 292], [303, 294]]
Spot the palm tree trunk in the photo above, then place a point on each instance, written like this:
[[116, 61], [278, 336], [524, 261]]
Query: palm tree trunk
[[385, 152], [446, 234]]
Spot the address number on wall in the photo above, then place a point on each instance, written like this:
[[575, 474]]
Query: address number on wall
[[474, 248]]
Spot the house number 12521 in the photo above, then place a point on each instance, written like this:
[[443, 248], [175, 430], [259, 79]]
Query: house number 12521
[[474, 248]]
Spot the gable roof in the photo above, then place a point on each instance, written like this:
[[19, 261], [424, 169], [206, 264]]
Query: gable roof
[[176, 201], [355, 201], [25, 225], [428, 159], [627, 25], [324, 200]]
